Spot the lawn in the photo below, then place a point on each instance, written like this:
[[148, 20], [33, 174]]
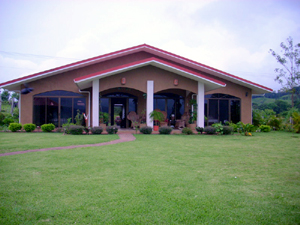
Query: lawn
[[11, 142], [157, 179]]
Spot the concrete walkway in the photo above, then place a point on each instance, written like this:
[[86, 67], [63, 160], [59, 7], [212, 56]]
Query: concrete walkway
[[124, 137]]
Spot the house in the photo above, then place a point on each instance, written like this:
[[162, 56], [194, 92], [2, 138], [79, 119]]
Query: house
[[140, 78]]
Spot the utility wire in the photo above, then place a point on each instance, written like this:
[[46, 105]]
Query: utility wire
[[34, 55]]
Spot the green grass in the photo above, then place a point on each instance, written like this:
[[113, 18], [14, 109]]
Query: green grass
[[157, 179], [11, 142]]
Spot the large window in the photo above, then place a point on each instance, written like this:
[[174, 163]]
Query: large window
[[57, 107], [170, 103], [222, 108]]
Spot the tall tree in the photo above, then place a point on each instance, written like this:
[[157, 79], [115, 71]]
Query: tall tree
[[5, 95], [289, 74]]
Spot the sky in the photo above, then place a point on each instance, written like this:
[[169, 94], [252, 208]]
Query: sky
[[230, 35]]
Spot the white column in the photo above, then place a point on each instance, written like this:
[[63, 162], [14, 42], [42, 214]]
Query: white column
[[149, 109], [20, 111], [200, 102], [95, 105]]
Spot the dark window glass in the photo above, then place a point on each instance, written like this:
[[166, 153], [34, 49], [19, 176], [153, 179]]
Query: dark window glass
[[160, 104], [205, 107], [65, 110], [171, 107], [219, 109], [39, 111], [104, 105], [179, 108], [132, 104], [59, 93], [235, 109], [224, 110], [213, 116], [52, 111], [220, 96]]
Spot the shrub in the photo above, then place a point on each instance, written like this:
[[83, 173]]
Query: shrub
[[8, 121], [4, 128], [219, 127], [187, 131], [245, 128], [146, 130], [66, 126], [75, 129], [15, 127], [165, 130], [48, 127], [275, 122], [296, 120], [234, 127], [96, 130], [28, 127], [210, 130], [265, 128], [227, 130], [2, 117], [199, 129], [112, 129]]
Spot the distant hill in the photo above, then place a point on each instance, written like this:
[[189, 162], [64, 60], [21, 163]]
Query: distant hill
[[279, 102]]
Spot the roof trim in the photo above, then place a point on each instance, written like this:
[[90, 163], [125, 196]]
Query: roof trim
[[144, 62]]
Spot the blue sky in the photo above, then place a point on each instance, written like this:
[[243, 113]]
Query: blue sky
[[230, 35]]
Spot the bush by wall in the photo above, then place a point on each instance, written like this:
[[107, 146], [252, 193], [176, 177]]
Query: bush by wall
[[112, 129], [75, 129], [146, 130], [165, 130], [227, 130], [97, 130], [187, 131], [28, 127], [8, 121], [48, 127], [210, 130], [265, 128], [14, 127], [199, 129], [2, 117]]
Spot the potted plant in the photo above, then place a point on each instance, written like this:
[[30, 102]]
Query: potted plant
[[103, 119], [156, 117]]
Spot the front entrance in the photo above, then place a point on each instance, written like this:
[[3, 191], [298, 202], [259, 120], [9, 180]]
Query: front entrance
[[118, 112], [118, 105]]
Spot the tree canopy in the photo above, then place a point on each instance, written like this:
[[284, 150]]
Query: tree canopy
[[289, 59]]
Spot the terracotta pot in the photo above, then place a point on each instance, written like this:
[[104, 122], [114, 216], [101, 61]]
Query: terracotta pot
[[155, 128]]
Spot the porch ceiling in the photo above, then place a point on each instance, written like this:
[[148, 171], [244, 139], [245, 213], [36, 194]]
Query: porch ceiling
[[209, 83]]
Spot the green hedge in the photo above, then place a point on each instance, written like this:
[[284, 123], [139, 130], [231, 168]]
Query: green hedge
[[48, 127], [28, 127], [112, 129], [146, 130], [97, 130], [14, 127], [165, 130], [187, 131]]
